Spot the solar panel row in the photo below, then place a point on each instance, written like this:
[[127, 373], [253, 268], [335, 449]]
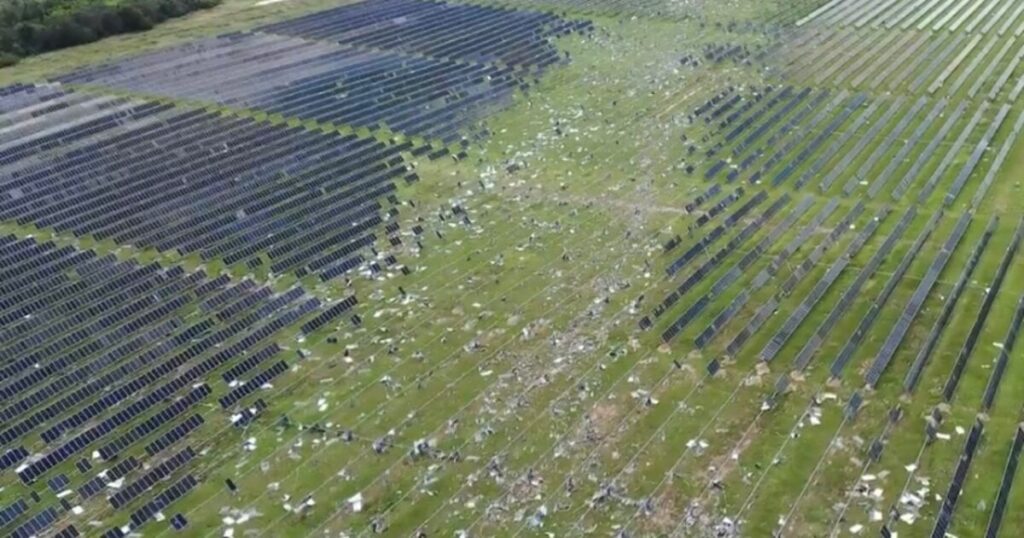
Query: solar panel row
[[36, 524], [329, 314], [999, 506], [722, 204], [174, 434], [12, 511], [244, 417], [963, 466], [1003, 359]]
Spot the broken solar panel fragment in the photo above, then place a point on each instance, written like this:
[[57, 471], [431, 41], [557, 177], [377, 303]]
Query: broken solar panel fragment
[[178, 522]]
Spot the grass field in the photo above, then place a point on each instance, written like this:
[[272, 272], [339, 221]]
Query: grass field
[[513, 350]]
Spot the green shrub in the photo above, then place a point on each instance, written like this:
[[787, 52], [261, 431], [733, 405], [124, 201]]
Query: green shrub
[[7, 59]]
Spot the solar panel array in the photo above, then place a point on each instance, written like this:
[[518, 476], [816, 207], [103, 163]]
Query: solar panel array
[[173, 178], [772, 132], [468, 33], [862, 97], [109, 363], [914, 45], [108, 367], [418, 67]]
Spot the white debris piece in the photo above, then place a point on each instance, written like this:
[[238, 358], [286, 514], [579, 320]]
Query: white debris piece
[[356, 502]]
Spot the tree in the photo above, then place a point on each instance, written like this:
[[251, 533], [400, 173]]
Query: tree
[[35, 26]]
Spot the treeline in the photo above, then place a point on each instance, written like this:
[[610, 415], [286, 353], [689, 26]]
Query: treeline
[[30, 27]]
